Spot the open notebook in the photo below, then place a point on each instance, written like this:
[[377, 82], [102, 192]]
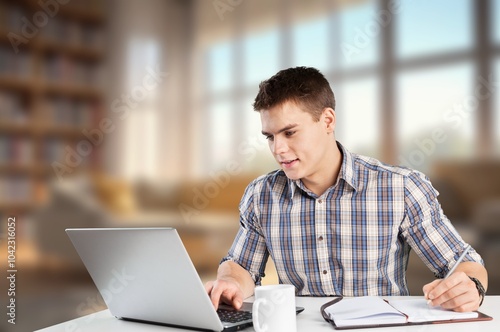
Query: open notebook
[[372, 311]]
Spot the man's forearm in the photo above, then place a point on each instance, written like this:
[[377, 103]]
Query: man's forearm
[[230, 270]]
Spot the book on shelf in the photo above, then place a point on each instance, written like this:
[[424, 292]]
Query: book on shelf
[[14, 16], [15, 65], [12, 110], [74, 33], [3, 16], [15, 190], [63, 69], [4, 150], [15, 150], [54, 150], [373, 311], [67, 112], [54, 31], [57, 68]]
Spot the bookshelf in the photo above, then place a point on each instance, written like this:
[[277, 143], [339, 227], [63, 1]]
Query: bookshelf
[[50, 91]]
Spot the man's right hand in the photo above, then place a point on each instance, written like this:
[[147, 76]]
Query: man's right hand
[[225, 291], [233, 285]]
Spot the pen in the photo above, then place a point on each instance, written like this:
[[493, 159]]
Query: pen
[[459, 260]]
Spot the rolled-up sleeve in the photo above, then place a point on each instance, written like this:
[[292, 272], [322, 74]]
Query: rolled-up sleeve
[[427, 229], [249, 248]]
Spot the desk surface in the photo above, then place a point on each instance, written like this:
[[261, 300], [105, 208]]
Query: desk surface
[[309, 320]]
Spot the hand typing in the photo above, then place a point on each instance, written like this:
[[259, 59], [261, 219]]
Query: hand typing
[[226, 291]]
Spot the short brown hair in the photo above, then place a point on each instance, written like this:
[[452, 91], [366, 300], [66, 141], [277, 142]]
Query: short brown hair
[[305, 86]]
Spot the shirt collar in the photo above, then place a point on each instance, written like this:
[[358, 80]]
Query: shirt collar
[[347, 173], [348, 170]]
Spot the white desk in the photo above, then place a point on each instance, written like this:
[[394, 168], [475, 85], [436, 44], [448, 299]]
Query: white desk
[[309, 320]]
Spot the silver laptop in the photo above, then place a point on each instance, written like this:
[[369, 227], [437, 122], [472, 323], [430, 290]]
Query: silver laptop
[[146, 275]]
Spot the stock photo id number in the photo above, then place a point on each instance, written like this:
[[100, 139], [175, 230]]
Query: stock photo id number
[[11, 270]]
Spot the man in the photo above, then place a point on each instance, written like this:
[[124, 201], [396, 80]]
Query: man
[[336, 223]]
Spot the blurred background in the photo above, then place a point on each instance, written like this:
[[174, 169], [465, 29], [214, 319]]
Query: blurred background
[[138, 113]]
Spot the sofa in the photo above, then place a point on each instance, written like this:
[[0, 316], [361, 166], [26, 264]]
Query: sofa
[[206, 224]]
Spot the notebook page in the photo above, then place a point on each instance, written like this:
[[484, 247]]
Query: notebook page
[[418, 311], [365, 310]]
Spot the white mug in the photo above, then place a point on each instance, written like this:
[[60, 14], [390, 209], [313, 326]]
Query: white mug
[[274, 309]]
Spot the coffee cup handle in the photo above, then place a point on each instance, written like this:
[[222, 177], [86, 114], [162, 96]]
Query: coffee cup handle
[[255, 313]]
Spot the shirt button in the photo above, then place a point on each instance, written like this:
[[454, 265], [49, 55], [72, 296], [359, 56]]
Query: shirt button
[[325, 271], [320, 201], [320, 238]]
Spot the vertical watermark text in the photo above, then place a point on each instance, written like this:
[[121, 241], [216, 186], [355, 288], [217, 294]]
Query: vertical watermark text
[[11, 270]]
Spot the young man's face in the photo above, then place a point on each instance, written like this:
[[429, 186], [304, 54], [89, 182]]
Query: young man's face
[[301, 145]]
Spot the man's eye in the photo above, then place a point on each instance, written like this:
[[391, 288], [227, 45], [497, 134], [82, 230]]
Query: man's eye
[[289, 133], [269, 137]]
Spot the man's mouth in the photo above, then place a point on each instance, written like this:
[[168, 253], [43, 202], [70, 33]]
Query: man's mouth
[[288, 163]]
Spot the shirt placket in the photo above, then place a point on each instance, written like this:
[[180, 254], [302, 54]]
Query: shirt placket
[[322, 251]]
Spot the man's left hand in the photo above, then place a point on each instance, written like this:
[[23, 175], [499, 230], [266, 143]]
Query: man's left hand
[[457, 292]]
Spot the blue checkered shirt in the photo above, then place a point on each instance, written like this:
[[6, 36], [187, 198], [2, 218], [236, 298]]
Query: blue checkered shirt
[[354, 239]]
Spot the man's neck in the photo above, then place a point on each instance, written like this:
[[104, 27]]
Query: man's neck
[[328, 175]]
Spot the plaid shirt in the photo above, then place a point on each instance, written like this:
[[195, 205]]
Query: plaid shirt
[[352, 240]]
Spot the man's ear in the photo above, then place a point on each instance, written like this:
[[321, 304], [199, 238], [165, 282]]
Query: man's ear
[[329, 119]]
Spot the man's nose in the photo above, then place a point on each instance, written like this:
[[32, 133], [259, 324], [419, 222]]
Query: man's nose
[[279, 146]]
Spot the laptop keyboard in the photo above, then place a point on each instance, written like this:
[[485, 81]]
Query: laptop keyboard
[[233, 316]]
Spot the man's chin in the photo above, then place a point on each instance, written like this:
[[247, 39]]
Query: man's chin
[[291, 175]]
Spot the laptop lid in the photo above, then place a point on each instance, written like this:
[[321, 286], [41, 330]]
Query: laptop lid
[[145, 274]]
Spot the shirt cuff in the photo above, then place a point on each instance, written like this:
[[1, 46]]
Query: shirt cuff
[[257, 279]]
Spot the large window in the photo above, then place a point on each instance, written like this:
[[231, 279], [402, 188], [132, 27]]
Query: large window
[[142, 126], [421, 82], [496, 106], [495, 19], [220, 141], [261, 57], [312, 35], [427, 27], [358, 117], [436, 115], [360, 35], [219, 65]]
